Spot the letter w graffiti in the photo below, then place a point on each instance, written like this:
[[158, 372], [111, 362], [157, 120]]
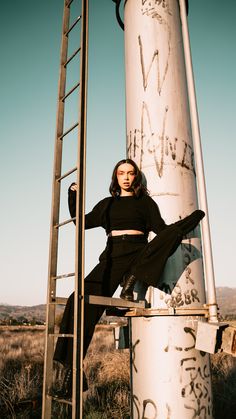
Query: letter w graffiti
[[146, 72]]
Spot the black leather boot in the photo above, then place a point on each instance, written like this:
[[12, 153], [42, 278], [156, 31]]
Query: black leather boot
[[128, 287]]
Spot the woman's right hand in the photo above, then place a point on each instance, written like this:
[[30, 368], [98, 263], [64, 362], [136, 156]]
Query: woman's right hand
[[74, 187]]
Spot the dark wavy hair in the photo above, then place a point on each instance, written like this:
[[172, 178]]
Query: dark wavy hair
[[138, 187]]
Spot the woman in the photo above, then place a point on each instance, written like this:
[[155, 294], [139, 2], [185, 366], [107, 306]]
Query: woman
[[127, 216]]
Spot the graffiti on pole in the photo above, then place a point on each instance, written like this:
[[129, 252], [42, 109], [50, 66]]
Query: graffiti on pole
[[194, 376], [160, 79], [152, 8], [178, 297], [144, 140], [148, 409]]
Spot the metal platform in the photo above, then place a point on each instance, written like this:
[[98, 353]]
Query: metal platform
[[113, 302], [172, 311], [103, 301]]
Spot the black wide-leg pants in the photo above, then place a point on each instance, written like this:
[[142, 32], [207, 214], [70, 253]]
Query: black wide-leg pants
[[119, 255], [126, 253]]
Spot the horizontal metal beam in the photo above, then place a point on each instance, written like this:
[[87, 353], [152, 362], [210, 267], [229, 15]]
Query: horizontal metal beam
[[110, 301], [168, 312], [64, 276]]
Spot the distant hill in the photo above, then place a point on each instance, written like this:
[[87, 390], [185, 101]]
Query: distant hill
[[226, 298], [24, 314]]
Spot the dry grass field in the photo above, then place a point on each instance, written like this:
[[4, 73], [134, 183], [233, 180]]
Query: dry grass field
[[21, 373], [21, 370]]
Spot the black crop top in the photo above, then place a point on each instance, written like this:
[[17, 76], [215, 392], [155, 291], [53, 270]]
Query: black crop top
[[131, 213], [122, 213]]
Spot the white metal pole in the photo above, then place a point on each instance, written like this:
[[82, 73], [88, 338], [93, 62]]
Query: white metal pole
[[202, 197], [170, 377]]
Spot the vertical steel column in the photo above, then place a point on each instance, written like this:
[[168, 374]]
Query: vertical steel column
[[207, 249], [77, 408], [170, 378]]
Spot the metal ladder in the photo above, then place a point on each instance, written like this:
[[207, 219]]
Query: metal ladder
[[57, 224]]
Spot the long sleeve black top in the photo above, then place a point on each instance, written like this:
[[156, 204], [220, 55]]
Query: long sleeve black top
[[122, 213]]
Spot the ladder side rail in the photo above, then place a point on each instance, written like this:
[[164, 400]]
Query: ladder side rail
[[77, 399], [55, 209]]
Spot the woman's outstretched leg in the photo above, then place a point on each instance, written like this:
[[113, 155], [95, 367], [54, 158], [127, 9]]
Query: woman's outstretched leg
[[64, 347], [151, 261]]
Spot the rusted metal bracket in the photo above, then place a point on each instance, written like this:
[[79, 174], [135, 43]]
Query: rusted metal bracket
[[216, 337]]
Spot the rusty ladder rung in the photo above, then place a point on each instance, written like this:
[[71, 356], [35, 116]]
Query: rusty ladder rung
[[70, 91], [67, 174], [58, 301], [60, 400], [61, 335], [72, 56], [69, 130], [64, 276], [65, 222], [69, 3], [73, 25]]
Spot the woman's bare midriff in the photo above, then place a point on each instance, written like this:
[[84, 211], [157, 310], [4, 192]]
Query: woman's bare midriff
[[121, 232]]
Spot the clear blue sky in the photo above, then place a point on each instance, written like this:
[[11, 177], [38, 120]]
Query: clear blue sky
[[30, 46]]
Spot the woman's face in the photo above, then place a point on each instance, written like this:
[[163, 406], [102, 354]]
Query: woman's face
[[125, 176]]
